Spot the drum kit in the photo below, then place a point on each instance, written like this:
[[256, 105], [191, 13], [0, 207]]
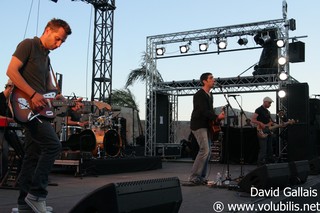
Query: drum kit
[[99, 137]]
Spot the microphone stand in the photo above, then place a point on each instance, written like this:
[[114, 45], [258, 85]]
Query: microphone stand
[[228, 178], [241, 140]]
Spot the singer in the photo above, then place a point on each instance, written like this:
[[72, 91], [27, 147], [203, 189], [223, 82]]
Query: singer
[[202, 115]]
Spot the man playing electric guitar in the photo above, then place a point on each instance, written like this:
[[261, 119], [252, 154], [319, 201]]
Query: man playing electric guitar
[[29, 70], [262, 119]]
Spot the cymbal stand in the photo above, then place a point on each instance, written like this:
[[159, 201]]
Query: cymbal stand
[[241, 139]]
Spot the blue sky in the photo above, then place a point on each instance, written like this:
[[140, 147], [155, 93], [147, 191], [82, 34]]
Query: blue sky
[[135, 20]]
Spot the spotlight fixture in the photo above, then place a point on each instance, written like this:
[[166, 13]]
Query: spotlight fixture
[[283, 76], [184, 48], [55, 1], [243, 41], [222, 43], [282, 93], [280, 43], [160, 51], [203, 47], [282, 60]]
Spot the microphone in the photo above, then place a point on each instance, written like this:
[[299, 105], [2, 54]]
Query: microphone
[[233, 95]]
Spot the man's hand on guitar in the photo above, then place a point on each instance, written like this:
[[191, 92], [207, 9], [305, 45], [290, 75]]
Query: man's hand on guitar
[[38, 101], [221, 116]]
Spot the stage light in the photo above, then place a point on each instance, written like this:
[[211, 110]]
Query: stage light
[[184, 48], [282, 93], [160, 51], [243, 41], [280, 43], [203, 47], [55, 1], [282, 60], [283, 76], [222, 43], [262, 38]]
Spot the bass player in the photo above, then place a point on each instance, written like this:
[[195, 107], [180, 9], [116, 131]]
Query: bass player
[[262, 119]]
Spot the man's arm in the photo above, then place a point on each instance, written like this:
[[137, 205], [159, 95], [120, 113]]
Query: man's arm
[[13, 73]]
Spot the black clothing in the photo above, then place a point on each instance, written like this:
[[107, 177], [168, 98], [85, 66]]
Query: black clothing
[[75, 116], [202, 114], [4, 109], [263, 115], [35, 61]]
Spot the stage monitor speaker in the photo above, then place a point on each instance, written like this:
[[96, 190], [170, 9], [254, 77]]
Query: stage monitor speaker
[[266, 176], [144, 196], [299, 171]]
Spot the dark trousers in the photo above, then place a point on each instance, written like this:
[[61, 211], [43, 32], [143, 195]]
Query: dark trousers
[[42, 146]]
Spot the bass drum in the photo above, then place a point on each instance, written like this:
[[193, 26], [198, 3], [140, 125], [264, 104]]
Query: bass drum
[[67, 131], [84, 141], [99, 135], [112, 143]]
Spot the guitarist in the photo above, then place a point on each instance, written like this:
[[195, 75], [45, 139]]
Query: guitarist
[[262, 119], [202, 115], [29, 70]]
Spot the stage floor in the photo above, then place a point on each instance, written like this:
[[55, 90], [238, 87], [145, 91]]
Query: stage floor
[[66, 190]]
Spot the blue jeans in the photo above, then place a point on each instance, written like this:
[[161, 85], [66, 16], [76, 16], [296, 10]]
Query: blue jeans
[[200, 165], [42, 146], [265, 152]]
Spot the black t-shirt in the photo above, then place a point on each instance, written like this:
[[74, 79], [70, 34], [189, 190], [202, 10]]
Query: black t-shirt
[[35, 59], [263, 115], [75, 116]]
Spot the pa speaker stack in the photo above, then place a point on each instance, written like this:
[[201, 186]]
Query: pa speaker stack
[[276, 175], [145, 196]]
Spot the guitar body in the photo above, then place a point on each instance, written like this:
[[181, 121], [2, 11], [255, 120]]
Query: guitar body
[[263, 133], [23, 110]]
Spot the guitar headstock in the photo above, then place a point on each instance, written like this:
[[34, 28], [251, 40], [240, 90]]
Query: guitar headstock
[[291, 121]]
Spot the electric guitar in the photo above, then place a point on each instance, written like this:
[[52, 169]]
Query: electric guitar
[[215, 125], [23, 111], [263, 133]]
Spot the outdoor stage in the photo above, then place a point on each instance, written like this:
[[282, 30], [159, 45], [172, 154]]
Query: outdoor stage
[[104, 166], [66, 191]]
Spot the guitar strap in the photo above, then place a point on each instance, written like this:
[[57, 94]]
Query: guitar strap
[[55, 79]]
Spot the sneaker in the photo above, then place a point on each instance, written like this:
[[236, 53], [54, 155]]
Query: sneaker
[[26, 209], [37, 204]]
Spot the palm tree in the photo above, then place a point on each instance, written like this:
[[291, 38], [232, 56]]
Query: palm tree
[[141, 72], [125, 98]]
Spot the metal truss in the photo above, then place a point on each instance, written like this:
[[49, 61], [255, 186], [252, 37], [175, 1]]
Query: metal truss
[[101, 86], [257, 83]]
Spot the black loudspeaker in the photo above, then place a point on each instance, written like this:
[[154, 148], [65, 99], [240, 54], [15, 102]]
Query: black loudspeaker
[[299, 171], [145, 196], [299, 146], [266, 176], [296, 52], [314, 116], [163, 118], [314, 165]]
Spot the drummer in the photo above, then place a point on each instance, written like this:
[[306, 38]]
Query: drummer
[[74, 114]]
